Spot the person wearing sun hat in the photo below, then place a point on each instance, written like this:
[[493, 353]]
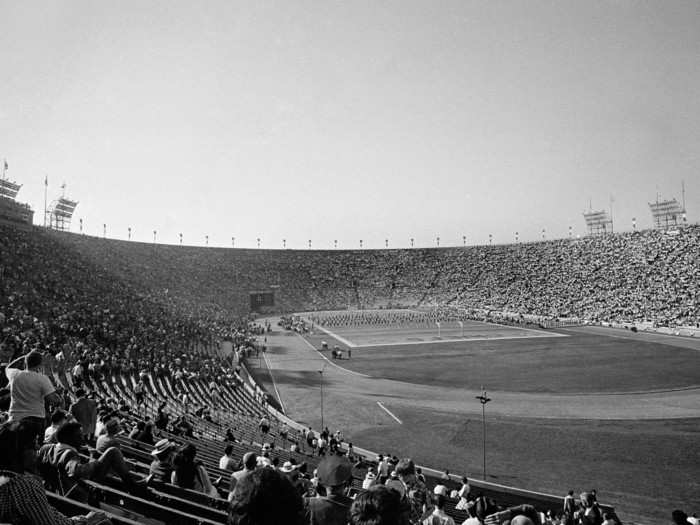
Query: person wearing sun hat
[[161, 467], [335, 475]]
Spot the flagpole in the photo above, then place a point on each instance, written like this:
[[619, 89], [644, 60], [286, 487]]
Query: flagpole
[[46, 188]]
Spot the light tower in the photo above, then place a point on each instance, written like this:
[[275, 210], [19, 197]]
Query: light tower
[[154, 236], [412, 242], [483, 399], [258, 242], [129, 232]]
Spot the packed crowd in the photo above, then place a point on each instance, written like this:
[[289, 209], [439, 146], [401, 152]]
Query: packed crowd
[[648, 276]]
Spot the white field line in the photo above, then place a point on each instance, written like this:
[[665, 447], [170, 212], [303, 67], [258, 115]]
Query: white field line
[[274, 384], [339, 338], [400, 343], [385, 409], [331, 362]]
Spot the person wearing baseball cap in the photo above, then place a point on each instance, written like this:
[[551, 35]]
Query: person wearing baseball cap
[[335, 475]]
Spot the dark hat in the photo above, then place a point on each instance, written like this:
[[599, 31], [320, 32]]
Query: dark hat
[[334, 471]]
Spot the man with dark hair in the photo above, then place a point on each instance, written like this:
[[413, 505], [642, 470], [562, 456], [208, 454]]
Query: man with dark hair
[[84, 410], [415, 490], [265, 497], [438, 516], [335, 475], [227, 462], [63, 469], [379, 505], [58, 418], [29, 391]]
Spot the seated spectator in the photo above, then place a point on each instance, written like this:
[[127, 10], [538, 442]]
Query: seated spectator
[[190, 473], [335, 475], [369, 480], [161, 468], [146, 435], [58, 418], [265, 497], [227, 462], [140, 426], [415, 490], [471, 511], [22, 496], [109, 438], [250, 463], [438, 516], [64, 470], [378, 506]]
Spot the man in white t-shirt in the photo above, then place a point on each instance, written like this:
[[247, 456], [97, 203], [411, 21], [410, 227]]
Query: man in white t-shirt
[[29, 390]]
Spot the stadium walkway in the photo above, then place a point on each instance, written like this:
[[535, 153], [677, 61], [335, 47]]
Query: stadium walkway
[[350, 399]]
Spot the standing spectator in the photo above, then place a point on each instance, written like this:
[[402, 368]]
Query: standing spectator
[[335, 474], [471, 511], [416, 492], [29, 391], [84, 410]]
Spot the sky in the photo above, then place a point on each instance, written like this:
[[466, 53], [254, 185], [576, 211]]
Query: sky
[[351, 120]]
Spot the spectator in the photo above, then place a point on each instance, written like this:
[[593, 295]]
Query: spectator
[[250, 462], [378, 506], [109, 439], [415, 490], [471, 511], [227, 462], [84, 410], [265, 497], [161, 467], [63, 468], [22, 496], [29, 391], [58, 418], [369, 480], [146, 435], [334, 474], [520, 515], [189, 473], [438, 516]]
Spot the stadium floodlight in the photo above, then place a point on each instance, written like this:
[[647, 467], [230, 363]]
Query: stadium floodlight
[[483, 399], [411, 242], [386, 243], [154, 236], [206, 240], [284, 243], [335, 243], [181, 239], [129, 232], [360, 244], [309, 244], [464, 240], [258, 242], [437, 240]]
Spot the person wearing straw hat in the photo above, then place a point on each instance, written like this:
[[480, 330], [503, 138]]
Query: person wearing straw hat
[[161, 468]]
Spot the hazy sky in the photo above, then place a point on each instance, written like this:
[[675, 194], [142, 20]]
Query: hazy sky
[[353, 120]]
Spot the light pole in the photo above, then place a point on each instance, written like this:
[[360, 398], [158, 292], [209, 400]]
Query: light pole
[[321, 382], [258, 242], [309, 244], [104, 231], [464, 240], [360, 244], [129, 232], [490, 239], [516, 237], [180, 239], [412, 242], [233, 242], [206, 240], [386, 243], [437, 240], [154, 236], [335, 244], [483, 400], [284, 243]]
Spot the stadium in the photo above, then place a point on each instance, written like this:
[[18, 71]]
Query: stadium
[[600, 397], [350, 263]]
